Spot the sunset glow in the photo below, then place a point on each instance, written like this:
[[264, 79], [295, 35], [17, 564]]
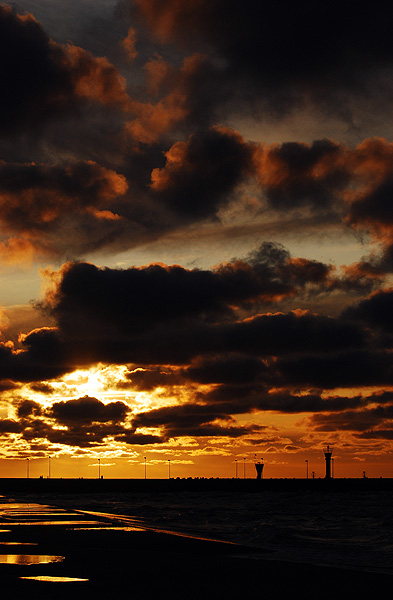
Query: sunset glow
[[196, 247]]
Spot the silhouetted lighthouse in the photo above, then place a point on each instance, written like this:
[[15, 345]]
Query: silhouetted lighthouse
[[328, 458], [259, 467]]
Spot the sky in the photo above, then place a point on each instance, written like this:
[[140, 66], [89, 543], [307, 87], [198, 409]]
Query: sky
[[196, 238]]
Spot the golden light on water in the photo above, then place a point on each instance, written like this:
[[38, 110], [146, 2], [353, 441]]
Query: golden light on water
[[29, 559], [53, 579]]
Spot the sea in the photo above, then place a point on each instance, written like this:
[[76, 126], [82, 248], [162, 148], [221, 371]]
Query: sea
[[350, 529]]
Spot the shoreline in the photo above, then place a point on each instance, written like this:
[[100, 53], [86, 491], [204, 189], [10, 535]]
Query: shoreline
[[68, 485]]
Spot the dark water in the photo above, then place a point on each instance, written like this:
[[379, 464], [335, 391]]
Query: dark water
[[342, 529]]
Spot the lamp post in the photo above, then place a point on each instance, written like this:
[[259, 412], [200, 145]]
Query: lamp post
[[27, 468], [244, 468], [169, 468], [99, 468], [145, 466], [236, 468], [48, 467], [307, 467]]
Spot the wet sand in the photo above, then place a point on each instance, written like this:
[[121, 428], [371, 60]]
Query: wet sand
[[120, 559]]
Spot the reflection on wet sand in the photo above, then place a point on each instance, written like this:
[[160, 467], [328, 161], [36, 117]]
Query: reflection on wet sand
[[104, 528], [29, 559], [53, 579], [35, 523], [18, 543]]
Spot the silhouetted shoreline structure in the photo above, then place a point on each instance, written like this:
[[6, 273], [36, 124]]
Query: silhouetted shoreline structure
[[259, 467], [175, 485], [328, 458]]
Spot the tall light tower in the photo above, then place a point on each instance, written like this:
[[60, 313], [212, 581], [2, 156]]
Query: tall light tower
[[328, 451], [259, 467]]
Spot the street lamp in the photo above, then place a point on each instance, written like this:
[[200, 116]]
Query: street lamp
[[244, 468], [145, 466], [169, 468], [27, 469], [307, 467], [236, 467], [99, 468]]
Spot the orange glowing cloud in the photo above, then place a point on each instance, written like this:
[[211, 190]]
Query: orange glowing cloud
[[162, 20], [44, 80], [95, 78], [128, 44], [157, 71], [17, 251], [33, 194], [155, 120]]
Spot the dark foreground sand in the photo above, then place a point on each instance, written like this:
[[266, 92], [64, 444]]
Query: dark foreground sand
[[146, 564]]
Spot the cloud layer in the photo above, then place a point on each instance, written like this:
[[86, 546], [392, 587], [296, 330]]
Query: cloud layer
[[163, 137]]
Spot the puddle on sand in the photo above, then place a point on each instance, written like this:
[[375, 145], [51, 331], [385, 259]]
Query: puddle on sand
[[29, 559], [53, 579], [114, 528], [18, 543], [39, 523]]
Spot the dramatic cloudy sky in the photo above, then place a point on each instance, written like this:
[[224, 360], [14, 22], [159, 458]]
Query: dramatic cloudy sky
[[196, 237]]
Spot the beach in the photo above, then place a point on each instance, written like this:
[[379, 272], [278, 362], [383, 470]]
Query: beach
[[194, 544]]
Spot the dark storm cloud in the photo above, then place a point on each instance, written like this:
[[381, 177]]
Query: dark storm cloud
[[192, 420], [87, 410], [138, 299], [376, 206], [34, 197], [175, 100], [369, 423], [343, 369], [42, 80], [27, 408], [374, 311], [42, 388], [201, 174], [8, 385], [226, 369], [310, 51], [83, 435], [162, 314], [138, 439], [86, 421], [169, 183], [43, 357], [350, 185], [237, 399], [213, 414], [296, 175], [285, 333], [150, 378], [52, 206], [9, 426]]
